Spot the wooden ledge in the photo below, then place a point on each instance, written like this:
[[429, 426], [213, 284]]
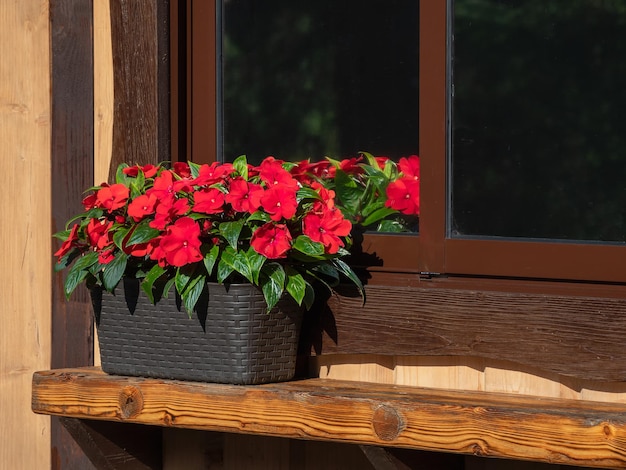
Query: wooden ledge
[[488, 424]]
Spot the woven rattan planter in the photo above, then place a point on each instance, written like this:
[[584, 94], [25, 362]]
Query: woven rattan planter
[[231, 339]]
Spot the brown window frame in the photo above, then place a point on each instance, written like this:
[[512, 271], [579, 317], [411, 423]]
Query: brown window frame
[[432, 250]]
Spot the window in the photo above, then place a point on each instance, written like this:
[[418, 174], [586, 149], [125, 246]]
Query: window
[[469, 225]]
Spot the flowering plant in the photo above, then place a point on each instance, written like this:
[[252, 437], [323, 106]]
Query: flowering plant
[[280, 226], [374, 193], [221, 222]]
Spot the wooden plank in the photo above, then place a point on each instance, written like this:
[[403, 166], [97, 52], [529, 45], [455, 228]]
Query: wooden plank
[[572, 336], [140, 45], [72, 172], [560, 431], [25, 277]]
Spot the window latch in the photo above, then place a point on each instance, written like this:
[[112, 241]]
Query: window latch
[[424, 275]]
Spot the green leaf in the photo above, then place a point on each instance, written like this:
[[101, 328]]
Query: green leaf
[[350, 274], [231, 230], [210, 258], [241, 166], [305, 245], [79, 271], [238, 261], [181, 279], [113, 272], [259, 215], [148, 283], [256, 261], [223, 270], [391, 226], [120, 176], [272, 283], [118, 236], [327, 270], [143, 233], [192, 293], [377, 215], [307, 193], [296, 285], [195, 169], [348, 192]]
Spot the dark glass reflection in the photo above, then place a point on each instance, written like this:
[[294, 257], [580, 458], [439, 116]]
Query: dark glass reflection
[[314, 78], [539, 133]]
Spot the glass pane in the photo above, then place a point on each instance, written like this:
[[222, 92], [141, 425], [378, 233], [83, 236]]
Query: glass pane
[[307, 79], [539, 135]]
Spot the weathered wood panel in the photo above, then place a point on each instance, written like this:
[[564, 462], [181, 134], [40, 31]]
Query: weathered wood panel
[[569, 432], [140, 44], [571, 336], [24, 228], [72, 171]]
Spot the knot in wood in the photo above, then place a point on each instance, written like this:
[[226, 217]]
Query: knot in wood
[[387, 422], [130, 402]]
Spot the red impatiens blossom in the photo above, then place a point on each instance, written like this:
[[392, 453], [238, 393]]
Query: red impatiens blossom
[[213, 173], [325, 227], [244, 196], [167, 210], [382, 161], [106, 256], [410, 167], [351, 166], [182, 169], [272, 240], [180, 244], [67, 245], [142, 206], [271, 171], [148, 170], [404, 195], [98, 233], [165, 185], [112, 197], [280, 202], [209, 201], [90, 201]]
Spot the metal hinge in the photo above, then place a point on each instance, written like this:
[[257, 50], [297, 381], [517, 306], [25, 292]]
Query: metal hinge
[[428, 275]]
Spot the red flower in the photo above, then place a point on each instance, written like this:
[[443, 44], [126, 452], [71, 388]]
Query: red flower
[[165, 185], [280, 202], [112, 197], [90, 201], [351, 166], [382, 161], [142, 206], [323, 169], [244, 196], [106, 256], [271, 171], [148, 170], [404, 195], [68, 244], [139, 249], [181, 242], [410, 167], [272, 240], [182, 169], [209, 201], [98, 233], [214, 173], [326, 228], [167, 210]]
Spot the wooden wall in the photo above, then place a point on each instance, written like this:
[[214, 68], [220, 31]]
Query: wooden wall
[[25, 278]]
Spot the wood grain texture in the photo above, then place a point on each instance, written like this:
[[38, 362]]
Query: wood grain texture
[[140, 48], [25, 277], [497, 425], [571, 336]]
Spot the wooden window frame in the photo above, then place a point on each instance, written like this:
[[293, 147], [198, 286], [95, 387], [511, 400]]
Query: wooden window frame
[[432, 251]]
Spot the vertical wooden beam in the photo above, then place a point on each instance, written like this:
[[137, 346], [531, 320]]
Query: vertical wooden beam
[[140, 43], [72, 172], [25, 277]]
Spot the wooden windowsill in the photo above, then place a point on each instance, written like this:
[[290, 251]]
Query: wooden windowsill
[[561, 431]]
